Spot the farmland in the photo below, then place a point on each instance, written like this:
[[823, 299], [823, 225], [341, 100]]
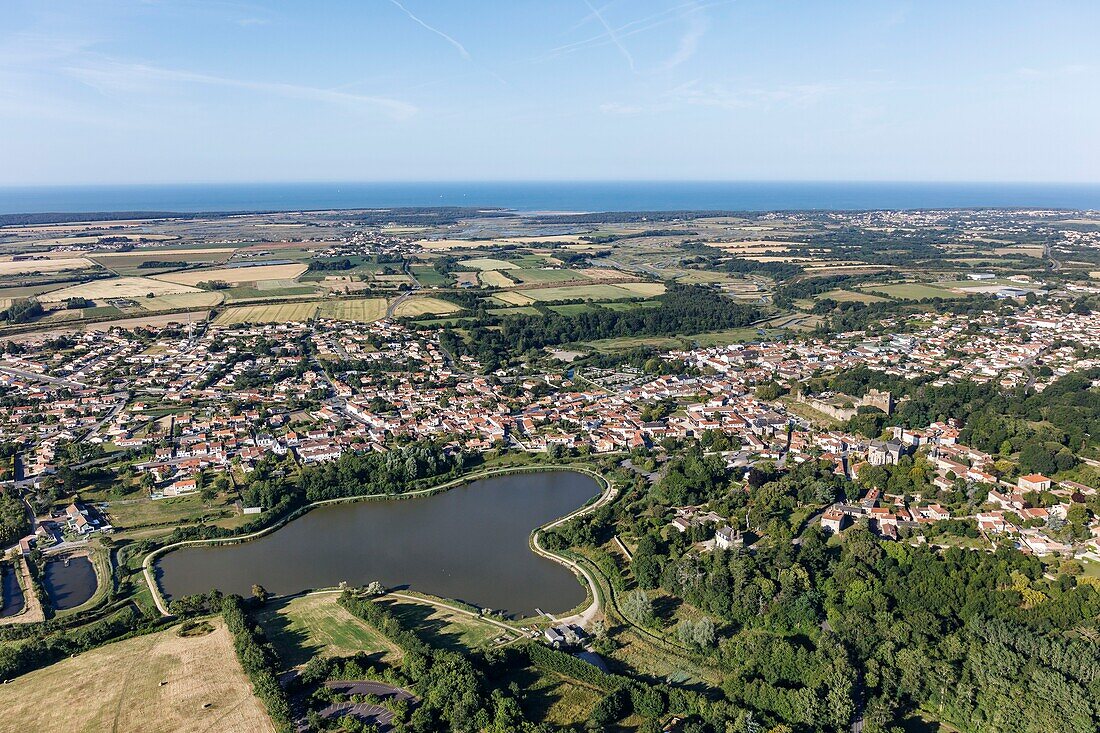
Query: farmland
[[360, 311], [22, 267], [235, 275], [121, 287], [149, 684], [912, 291], [488, 263], [495, 278], [594, 292], [272, 313], [414, 307]]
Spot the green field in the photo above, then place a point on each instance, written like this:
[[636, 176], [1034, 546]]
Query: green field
[[495, 279], [441, 627], [428, 276], [850, 296], [912, 291], [423, 306], [247, 292], [303, 627]]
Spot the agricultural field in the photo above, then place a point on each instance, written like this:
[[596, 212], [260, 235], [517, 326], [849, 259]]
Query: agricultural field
[[850, 296], [179, 301], [154, 683], [513, 297], [423, 306], [236, 275], [595, 292], [912, 291], [365, 310], [428, 276], [247, 292], [271, 313], [545, 275], [488, 263], [303, 627], [118, 287], [495, 279], [25, 267]]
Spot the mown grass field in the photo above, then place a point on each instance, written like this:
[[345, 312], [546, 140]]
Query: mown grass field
[[118, 687], [443, 628], [235, 275], [421, 306], [303, 627], [117, 287], [365, 310], [487, 263], [540, 276], [850, 296], [21, 267], [495, 279], [598, 291], [912, 291], [272, 313]]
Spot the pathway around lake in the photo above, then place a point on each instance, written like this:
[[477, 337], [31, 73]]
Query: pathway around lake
[[148, 563]]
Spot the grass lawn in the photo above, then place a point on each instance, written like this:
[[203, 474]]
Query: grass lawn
[[558, 700], [141, 511], [440, 627], [303, 627]]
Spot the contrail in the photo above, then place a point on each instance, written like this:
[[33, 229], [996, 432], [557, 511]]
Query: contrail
[[611, 33], [461, 49]]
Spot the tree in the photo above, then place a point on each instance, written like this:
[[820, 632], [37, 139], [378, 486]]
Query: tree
[[637, 607], [375, 588], [260, 593]]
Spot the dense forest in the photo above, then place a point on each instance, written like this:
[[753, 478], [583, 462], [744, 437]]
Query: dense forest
[[816, 634], [683, 309]]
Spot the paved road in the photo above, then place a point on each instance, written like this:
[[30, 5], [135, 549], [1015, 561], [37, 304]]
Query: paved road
[[42, 378]]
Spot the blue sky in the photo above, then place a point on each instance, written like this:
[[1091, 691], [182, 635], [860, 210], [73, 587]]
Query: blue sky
[[127, 91]]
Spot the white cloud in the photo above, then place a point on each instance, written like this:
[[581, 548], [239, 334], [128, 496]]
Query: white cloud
[[109, 75]]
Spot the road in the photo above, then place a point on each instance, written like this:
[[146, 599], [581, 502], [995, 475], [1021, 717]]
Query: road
[[42, 378], [394, 305]]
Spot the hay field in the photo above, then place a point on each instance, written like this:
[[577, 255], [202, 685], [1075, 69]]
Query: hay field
[[236, 275], [359, 311], [414, 307], [849, 296], [912, 291], [513, 297], [595, 292], [488, 263], [306, 626], [546, 275], [118, 688], [22, 267], [445, 244], [118, 287], [201, 299], [275, 313], [495, 278]]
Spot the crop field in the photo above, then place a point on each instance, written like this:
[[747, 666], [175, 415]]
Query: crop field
[[521, 310], [513, 297], [149, 684], [467, 278], [201, 299], [303, 627], [118, 287], [488, 263], [236, 275], [428, 276], [912, 291], [23, 267], [414, 307], [595, 292], [272, 313], [850, 296], [495, 278], [547, 276], [365, 310]]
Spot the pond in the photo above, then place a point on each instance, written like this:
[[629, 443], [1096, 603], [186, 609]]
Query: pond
[[468, 543], [12, 599], [70, 581]]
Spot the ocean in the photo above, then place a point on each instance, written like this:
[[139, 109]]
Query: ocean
[[548, 196]]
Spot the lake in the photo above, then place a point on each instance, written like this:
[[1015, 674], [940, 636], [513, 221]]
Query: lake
[[468, 543], [70, 582]]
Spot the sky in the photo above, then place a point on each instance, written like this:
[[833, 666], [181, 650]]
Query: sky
[[175, 91]]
